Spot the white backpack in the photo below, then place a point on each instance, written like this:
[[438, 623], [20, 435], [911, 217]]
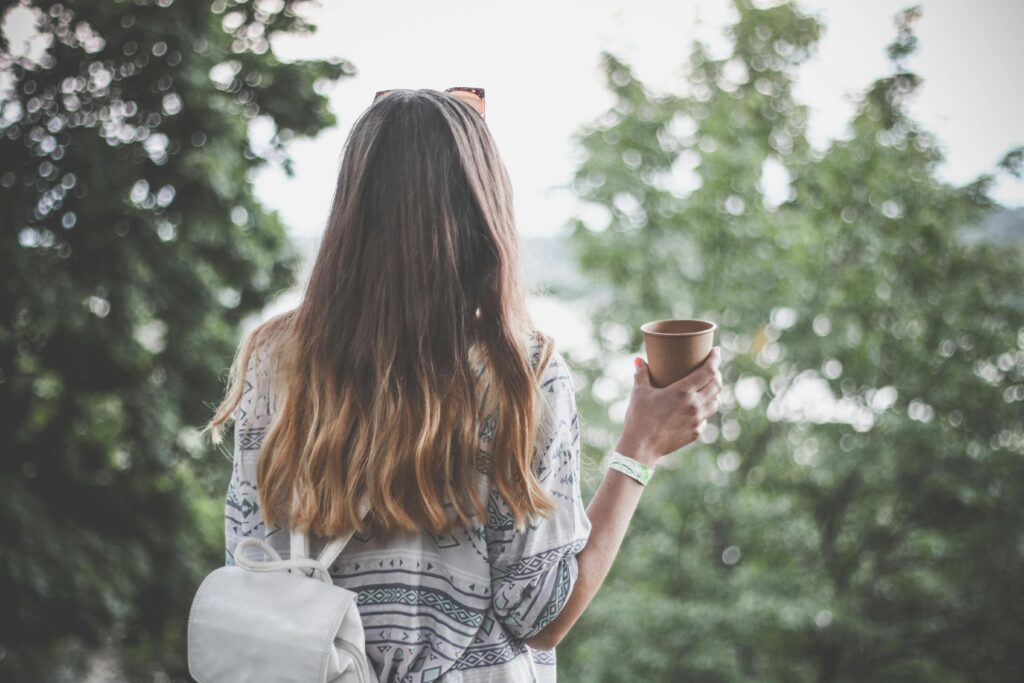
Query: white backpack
[[269, 621]]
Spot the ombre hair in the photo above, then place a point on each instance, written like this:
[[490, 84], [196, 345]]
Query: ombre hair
[[412, 331]]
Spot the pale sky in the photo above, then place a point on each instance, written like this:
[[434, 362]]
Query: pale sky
[[539, 64]]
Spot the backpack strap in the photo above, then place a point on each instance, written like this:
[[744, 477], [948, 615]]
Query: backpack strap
[[275, 563], [299, 539], [330, 552]]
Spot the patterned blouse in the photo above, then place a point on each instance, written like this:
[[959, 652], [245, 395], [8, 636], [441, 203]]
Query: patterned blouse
[[453, 607]]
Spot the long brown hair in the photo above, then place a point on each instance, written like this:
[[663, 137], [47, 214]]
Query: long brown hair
[[412, 330]]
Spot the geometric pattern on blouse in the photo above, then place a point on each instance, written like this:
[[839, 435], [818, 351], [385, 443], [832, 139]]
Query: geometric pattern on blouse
[[437, 605]]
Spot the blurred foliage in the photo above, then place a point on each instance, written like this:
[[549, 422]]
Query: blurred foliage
[[856, 510], [133, 249]]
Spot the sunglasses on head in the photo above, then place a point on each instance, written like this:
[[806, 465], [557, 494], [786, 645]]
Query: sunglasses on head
[[472, 96]]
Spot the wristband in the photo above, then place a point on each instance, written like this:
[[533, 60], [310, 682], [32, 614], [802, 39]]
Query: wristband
[[630, 467]]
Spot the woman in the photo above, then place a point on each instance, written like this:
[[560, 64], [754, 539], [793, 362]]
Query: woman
[[411, 375]]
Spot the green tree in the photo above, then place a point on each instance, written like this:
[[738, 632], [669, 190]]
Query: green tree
[[133, 248], [874, 535]]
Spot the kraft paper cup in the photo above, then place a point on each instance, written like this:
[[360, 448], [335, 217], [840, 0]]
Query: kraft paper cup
[[676, 347]]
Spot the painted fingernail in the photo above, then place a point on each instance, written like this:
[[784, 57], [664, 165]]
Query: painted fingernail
[[637, 362]]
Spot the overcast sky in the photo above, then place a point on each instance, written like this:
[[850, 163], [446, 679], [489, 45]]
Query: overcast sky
[[539, 64]]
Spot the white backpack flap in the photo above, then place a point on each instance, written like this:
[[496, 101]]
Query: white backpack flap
[[266, 620]]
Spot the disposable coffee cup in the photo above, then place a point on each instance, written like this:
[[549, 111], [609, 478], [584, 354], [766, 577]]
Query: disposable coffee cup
[[676, 347]]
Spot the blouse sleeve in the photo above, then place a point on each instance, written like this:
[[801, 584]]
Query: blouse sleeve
[[242, 516], [534, 571]]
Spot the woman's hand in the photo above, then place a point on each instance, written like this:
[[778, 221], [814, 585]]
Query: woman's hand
[[660, 421]]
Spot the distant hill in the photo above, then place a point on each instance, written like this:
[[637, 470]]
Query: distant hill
[[549, 264], [1002, 226]]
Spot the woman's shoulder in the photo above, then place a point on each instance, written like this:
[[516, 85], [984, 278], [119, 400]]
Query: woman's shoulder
[[556, 379], [543, 353], [550, 369]]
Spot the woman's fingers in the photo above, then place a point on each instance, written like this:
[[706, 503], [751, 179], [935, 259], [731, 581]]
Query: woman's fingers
[[700, 376], [698, 405], [704, 402], [710, 388], [710, 407], [679, 412]]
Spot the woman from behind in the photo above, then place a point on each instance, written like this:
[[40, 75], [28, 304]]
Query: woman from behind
[[411, 377]]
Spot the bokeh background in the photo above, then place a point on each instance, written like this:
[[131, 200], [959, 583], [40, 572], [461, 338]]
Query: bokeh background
[[837, 184]]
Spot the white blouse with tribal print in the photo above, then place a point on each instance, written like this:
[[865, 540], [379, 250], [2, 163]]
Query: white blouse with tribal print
[[459, 605]]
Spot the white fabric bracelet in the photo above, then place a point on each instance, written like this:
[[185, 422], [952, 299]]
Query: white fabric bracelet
[[630, 467]]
